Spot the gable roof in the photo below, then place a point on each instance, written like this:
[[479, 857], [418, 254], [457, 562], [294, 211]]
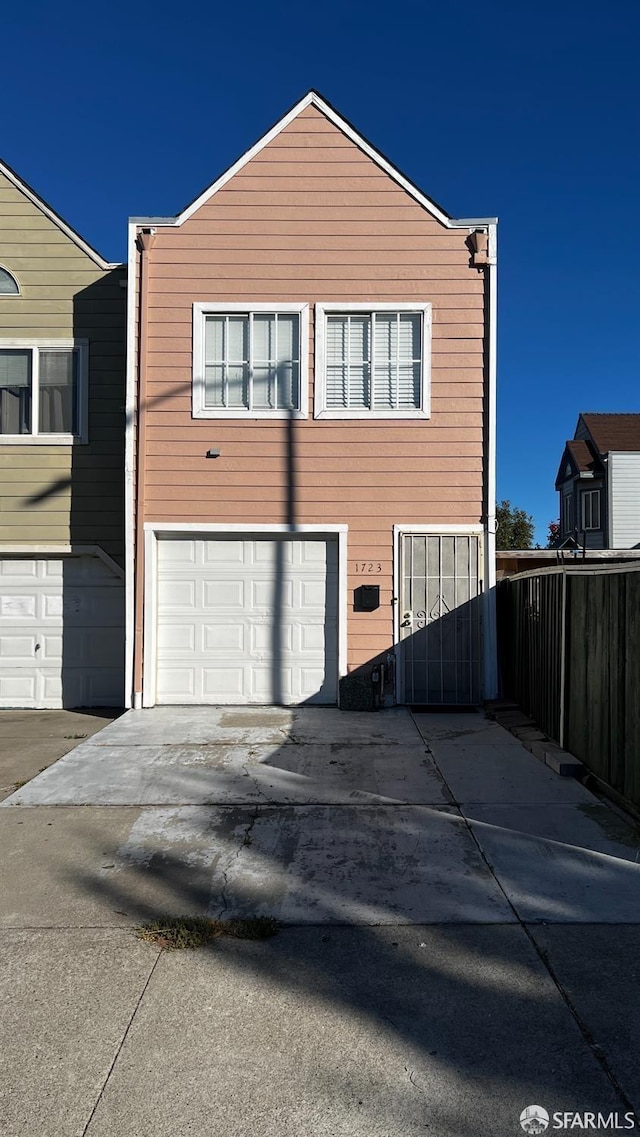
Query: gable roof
[[63, 225], [312, 98], [582, 458], [613, 431], [582, 455]]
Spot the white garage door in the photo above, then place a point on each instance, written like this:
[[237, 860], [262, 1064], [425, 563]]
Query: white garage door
[[247, 620], [61, 633]]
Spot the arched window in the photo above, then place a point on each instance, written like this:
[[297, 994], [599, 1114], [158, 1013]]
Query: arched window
[[8, 283]]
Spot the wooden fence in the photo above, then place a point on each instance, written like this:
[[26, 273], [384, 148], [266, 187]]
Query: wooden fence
[[569, 649]]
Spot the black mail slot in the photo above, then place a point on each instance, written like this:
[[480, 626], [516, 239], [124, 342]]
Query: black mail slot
[[366, 598]]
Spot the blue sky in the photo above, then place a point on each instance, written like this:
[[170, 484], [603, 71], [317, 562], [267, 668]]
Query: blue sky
[[525, 111]]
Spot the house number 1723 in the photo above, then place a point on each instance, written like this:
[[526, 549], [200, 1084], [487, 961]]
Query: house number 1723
[[368, 566]]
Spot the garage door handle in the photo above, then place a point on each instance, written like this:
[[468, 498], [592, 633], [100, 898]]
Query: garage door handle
[[37, 647]]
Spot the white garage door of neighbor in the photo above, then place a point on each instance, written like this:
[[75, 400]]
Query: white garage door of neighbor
[[61, 633], [247, 620]]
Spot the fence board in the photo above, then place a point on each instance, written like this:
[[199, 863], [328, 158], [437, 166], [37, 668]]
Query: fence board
[[601, 665]]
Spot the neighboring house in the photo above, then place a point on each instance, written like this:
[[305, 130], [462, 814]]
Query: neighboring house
[[62, 341], [311, 394], [599, 483]]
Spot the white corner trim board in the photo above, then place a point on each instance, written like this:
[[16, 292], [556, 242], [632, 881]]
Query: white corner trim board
[[129, 469]]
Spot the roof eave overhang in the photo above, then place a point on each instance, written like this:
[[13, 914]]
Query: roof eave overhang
[[312, 98], [63, 225], [561, 477]]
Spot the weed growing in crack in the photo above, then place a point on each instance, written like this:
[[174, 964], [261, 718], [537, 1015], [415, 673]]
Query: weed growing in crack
[[174, 933]]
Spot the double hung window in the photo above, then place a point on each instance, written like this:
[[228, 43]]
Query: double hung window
[[591, 509]]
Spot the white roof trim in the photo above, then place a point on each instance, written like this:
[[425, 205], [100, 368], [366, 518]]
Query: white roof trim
[[48, 212], [313, 99]]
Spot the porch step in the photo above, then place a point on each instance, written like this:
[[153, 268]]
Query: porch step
[[512, 718]]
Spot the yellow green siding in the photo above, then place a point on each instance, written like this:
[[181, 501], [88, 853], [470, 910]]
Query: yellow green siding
[[64, 494]]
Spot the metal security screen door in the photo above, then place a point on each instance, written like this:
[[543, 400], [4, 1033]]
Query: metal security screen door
[[440, 619]]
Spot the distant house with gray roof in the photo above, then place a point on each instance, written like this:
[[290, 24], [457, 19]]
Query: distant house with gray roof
[[599, 483]]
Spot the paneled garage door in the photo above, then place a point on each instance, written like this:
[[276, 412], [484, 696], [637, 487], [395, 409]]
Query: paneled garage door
[[61, 633], [247, 620]]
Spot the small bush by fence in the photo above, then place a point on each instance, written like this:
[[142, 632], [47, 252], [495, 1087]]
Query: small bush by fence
[[569, 644]]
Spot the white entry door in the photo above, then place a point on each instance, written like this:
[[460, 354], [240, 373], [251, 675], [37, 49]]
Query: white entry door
[[61, 633], [247, 620]]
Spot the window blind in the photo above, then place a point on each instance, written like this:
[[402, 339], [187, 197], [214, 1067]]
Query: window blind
[[15, 368], [387, 378]]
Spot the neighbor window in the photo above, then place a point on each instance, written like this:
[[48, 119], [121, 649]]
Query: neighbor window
[[372, 361], [591, 509], [41, 391], [8, 283], [250, 361], [567, 514]]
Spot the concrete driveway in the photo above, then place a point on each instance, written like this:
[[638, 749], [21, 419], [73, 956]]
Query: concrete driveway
[[461, 932], [31, 740], [315, 816]]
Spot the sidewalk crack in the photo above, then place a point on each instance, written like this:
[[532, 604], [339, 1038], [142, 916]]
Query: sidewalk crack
[[121, 1044], [246, 840]]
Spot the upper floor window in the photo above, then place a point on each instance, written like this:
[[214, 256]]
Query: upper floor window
[[250, 361], [42, 391], [8, 283], [567, 513], [372, 361], [591, 509]]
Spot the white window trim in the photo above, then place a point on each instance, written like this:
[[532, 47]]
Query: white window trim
[[11, 295], [566, 520], [35, 439], [590, 494], [320, 387], [200, 310]]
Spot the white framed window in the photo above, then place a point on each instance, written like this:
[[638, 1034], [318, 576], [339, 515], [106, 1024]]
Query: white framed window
[[567, 513], [373, 360], [250, 361], [8, 283], [43, 391], [591, 509]]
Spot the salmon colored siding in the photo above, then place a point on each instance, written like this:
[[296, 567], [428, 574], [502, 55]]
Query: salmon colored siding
[[312, 219]]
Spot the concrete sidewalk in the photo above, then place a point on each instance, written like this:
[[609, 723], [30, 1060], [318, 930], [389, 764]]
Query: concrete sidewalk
[[462, 932]]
